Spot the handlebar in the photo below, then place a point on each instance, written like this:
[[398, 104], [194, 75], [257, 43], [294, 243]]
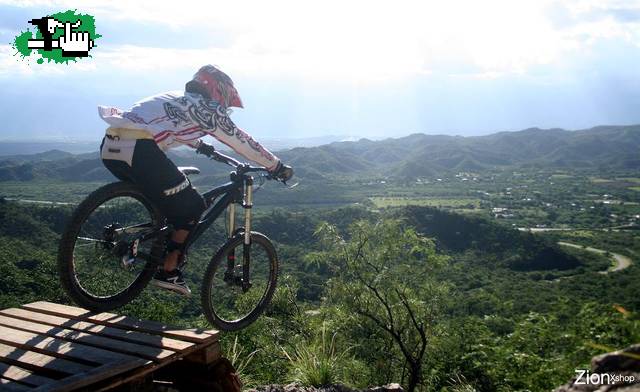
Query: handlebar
[[241, 168]]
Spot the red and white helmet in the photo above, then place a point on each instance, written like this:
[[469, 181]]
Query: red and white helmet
[[217, 85]]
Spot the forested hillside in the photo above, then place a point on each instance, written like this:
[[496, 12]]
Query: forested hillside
[[500, 309], [614, 147]]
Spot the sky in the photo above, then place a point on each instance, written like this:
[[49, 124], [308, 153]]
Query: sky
[[339, 67]]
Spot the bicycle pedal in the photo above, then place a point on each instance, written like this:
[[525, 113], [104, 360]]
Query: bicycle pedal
[[127, 261]]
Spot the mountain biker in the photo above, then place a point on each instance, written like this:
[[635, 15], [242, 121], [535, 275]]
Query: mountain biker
[[135, 143]]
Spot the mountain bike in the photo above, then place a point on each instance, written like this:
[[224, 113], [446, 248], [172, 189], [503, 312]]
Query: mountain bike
[[116, 240]]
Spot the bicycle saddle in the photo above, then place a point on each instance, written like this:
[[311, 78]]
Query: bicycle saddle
[[186, 170]]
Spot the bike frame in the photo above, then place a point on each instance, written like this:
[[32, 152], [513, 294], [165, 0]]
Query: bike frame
[[232, 193], [238, 191]]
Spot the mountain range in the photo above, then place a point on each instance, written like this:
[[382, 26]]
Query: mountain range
[[417, 155], [611, 147], [29, 147]]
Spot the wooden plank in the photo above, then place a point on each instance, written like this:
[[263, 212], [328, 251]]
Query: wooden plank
[[196, 358], [60, 348], [37, 361], [122, 379], [15, 373], [125, 322], [88, 327], [10, 386], [152, 353], [89, 377], [43, 334], [77, 375], [206, 355]]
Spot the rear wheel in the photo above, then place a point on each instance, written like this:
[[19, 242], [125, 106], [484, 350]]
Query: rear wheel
[[234, 294], [97, 260]]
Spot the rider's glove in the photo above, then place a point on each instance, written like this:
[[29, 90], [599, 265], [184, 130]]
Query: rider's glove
[[205, 148], [282, 172]]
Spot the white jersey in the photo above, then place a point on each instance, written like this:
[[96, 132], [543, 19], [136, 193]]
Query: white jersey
[[176, 118]]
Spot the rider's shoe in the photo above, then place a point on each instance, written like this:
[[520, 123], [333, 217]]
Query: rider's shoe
[[171, 280]]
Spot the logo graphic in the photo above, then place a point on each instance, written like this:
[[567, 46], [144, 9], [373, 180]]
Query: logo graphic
[[61, 37], [584, 377]]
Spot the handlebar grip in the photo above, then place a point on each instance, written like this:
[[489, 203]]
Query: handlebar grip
[[206, 149]]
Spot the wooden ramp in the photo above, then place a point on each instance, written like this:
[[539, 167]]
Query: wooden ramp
[[50, 347]]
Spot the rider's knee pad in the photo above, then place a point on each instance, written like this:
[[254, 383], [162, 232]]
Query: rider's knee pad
[[180, 224]]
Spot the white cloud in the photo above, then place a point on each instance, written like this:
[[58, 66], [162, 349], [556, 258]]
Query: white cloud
[[12, 65], [579, 8], [361, 40]]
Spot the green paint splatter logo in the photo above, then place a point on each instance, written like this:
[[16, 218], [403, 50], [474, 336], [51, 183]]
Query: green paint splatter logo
[[61, 37]]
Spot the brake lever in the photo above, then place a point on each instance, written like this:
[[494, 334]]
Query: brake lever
[[290, 186], [271, 177]]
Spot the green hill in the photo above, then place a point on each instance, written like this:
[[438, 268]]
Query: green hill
[[417, 155]]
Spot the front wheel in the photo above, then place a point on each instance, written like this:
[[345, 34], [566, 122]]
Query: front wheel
[[239, 282]]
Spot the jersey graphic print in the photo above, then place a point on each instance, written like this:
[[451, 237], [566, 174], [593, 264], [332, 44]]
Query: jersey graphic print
[[208, 114], [176, 119]]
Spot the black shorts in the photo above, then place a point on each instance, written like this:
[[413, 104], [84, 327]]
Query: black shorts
[[159, 180]]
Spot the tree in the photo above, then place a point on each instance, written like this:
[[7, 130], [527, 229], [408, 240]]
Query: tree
[[384, 278]]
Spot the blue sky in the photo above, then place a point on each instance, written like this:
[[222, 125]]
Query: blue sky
[[362, 68]]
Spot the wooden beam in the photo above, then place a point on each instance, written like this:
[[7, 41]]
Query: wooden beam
[[87, 378], [11, 386], [206, 355], [102, 330], [55, 348], [125, 322], [63, 349], [15, 373], [40, 362], [152, 353]]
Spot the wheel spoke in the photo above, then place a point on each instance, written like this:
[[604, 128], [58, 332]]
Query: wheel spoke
[[106, 235], [93, 240], [226, 303]]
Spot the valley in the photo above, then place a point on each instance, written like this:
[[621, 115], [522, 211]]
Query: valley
[[509, 275]]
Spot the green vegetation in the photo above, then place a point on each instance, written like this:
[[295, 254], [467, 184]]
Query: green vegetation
[[437, 275], [385, 282], [317, 363], [631, 179], [494, 308], [383, 202]]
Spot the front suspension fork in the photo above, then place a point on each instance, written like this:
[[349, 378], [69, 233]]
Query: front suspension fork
[[246, 246], [231, 256], [247, 204]]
